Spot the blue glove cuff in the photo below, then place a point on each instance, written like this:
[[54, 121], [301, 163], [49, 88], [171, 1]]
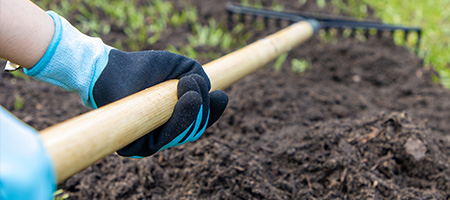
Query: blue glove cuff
[[73, 60]]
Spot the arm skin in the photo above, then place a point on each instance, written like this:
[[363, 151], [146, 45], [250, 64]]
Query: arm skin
[[25, 32]]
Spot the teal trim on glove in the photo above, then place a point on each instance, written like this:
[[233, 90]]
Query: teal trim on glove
[[26, 170]]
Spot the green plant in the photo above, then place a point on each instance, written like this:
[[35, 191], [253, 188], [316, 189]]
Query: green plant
[[321, 3], [59, 195], [432, 16], [256, 4], [144, 23], [299, 65], [188, 15], [301, 2], [277, 6], [279, 62], [20, 75], [329, 36], [356, 8], [186, 50], [18, 104], [211, 35]]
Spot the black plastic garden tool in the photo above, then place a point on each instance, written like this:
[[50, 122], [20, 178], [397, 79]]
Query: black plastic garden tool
[[327, 22]]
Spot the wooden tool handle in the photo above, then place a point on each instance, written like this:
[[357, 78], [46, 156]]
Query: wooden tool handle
[[79, 142]]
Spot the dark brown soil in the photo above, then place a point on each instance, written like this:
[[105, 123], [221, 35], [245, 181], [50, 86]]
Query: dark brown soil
[[365, 121]]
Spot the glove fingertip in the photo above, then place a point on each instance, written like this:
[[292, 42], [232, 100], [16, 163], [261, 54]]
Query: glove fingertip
[[193, 82], [218, 103], [188, 104], [136, 148], [184, 113], [186, 84]]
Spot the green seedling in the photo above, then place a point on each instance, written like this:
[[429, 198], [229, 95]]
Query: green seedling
[[299, 65], [238, 28], [258, 25], [331, 36], [210, 55], [321, 3], [359, 35], [211, 35], [432, 16], [279, 62], [256, 4], [20, 75], [276, 6], [58, 195], [191, 52], [355, 8], [173, 49], [146, 23], [18, 104], [135, 19], [178, 19], [302, 2], [186, 50], [191, 14], [153, 39], [90, 26], [227, 42]]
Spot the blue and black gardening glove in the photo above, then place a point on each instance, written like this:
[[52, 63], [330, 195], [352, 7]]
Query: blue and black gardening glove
[[195, 110], [101, 74]]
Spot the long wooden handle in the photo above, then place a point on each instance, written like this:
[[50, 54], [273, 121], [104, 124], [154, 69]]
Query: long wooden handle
[[79, 142]]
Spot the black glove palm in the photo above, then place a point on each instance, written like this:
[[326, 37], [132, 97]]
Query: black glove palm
[[196, 109]]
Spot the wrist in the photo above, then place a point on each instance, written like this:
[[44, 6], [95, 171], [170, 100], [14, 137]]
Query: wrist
[[72, 61], [45, 59]]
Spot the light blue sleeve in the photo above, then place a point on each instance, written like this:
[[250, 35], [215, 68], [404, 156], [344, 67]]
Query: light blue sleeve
[[26, 170]]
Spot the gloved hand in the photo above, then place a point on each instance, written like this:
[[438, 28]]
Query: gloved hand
[[195, 110], [26, 170], [102, 74]]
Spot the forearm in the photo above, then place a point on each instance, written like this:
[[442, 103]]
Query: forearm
[[25, 32]]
